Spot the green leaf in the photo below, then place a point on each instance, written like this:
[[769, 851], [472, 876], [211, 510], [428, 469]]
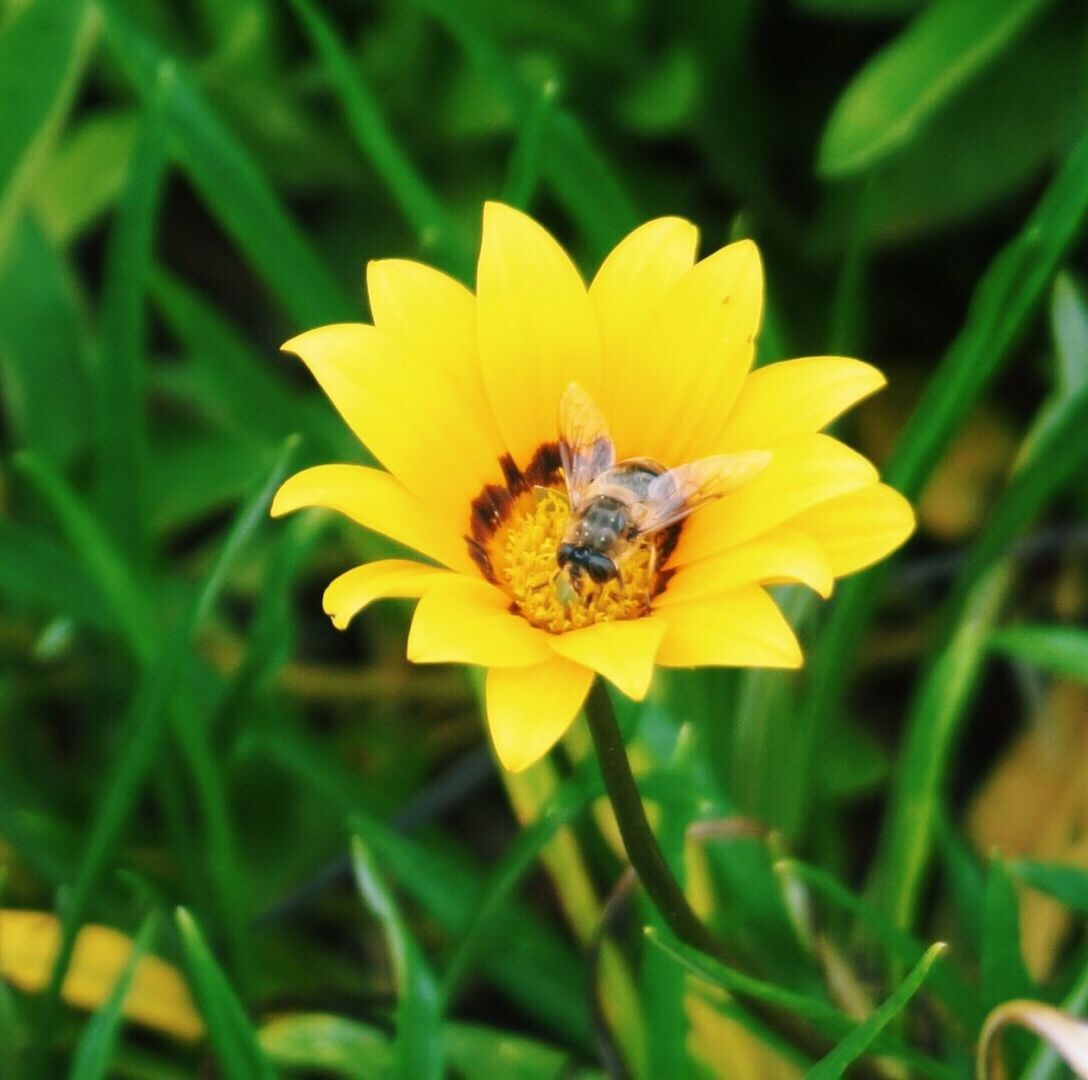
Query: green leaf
[[946, 983], [1068, 884], [419, 204], [1002, 131], [230, 182], [163, 659], [1002, 973], [533, 965], [349, 1048], [1062, 650], [230, 374], [569, 800], [523, 168], [858, 1041], [1003, 303], [1045, 1064], [333, 1044], [1069, 327], [574, 168], [819, 1012], [43, 49], [231, 1034], [860, 9], [897, 91], [94, 1053], [103, 564], [418, 1047], [43, 347], [39, 574], [120, 435], [85, 174]]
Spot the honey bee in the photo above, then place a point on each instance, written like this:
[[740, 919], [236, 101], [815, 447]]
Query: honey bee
[[614, 504]]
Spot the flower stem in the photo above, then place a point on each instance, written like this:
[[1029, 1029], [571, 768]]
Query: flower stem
[[652, 869]]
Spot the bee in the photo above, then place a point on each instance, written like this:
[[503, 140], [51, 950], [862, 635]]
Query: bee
[[615, 503]]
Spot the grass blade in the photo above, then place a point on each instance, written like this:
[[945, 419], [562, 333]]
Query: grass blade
[[900, 88], [231, 183], [1062, 650], [418, 1050], [1045, 1063], [103, 564], [229, 1030], [144, 726], [43, 348], [419, 204], [120, 423], [58, 35], [562, 808], [1004, 301], [858, 1041], [947, 984], [574, 168], [1066, 883], [1002, 973], [1056, 457], [523, 169], [94, 1052]]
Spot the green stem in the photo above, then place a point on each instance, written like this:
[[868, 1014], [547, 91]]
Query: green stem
[[653, 871]]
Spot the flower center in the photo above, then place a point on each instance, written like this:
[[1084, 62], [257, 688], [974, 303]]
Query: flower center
[[523, 560]]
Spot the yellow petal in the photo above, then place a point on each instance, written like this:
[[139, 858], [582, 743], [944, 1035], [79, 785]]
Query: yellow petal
[[623, 652], [377, 501], [470, 622], [783, 555], [804, 471], [529, 708], [859, 528], [435, 317], [536, 328], [739, 629], [414, 418], [352, 591], [158, 997], [629, 288], [673, 394], [796, 397]]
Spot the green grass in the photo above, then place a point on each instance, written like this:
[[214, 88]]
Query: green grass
[[183, 186]]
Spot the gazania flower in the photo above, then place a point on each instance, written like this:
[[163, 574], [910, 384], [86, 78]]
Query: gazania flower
[[458, 396]]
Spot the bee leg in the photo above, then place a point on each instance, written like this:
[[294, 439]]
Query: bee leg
[[621, 585]]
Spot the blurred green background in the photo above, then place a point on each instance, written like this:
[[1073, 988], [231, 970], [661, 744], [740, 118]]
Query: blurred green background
[[183, 186]]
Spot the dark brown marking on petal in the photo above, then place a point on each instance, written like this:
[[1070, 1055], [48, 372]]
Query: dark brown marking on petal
[[543, 470], [667, 542], [478, 554], [663, 579], [515, 480]]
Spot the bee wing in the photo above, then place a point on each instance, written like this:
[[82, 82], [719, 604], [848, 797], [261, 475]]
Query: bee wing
[[676, 493], [585, 447]]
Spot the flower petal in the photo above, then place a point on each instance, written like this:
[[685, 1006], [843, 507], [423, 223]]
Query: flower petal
[[796, 397], [355, 589], [376, 501], [529, 708], [434, 316], [804, 471], [783, 555], [743, 628], [680, 378], [536, 328], [470, 622], [414, 418], [628, 290], [860, 527], [623, 652]]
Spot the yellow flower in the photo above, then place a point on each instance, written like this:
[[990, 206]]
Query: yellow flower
[[458, 395]]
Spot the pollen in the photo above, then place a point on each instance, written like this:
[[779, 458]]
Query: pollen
[[523, 557]]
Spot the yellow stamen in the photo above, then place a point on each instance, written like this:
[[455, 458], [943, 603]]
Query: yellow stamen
[[523, 555]]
